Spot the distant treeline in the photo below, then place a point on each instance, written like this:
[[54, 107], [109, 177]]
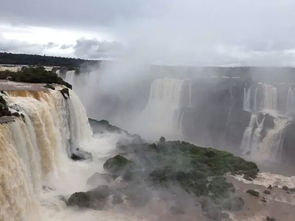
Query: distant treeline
[[39, 60]]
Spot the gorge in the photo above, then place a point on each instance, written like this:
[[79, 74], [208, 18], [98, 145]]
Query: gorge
[[247, 110], [56, 166]]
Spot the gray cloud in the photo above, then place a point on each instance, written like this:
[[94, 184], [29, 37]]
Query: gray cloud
[[66, 46], [171, 31], [92, 48], [18, 46]]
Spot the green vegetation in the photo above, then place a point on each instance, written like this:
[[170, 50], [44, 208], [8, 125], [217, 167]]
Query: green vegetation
[[177, 170], [116, 164], [197, 170], [103, 126], [34, 75]]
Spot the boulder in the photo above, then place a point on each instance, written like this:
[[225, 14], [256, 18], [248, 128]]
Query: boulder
[[94, 199], [117, 165], [253, 192], [78, 154]]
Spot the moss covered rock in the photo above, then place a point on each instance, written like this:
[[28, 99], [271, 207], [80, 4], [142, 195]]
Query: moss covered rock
[[118, 165], [94, 199], [199, 171]]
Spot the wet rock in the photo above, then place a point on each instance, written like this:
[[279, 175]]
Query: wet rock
[[4, 110], [253, 192], [80, 155], [80, 199], [266, 192], [65, 93], [94, 199], [50, 86], [102, 126], [117, 165]]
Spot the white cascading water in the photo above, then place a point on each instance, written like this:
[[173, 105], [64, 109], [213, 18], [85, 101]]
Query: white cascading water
[[251, 137], [247, 99], [79, 128], [163, 110], [32, 147], [36, 172], [272, 144], [270, 98], [17, 200], [290, 110], [259, 105], [268, 103]]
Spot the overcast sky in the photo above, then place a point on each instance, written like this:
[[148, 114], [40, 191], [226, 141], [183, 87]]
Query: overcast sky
[[200, 32]]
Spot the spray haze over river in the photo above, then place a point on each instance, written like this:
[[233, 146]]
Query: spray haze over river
[[159, 110], [246, 110], [50, 154]]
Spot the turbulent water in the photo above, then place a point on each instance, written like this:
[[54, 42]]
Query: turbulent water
[[34, 162], [37, 174], [210, 112], [268, 104]]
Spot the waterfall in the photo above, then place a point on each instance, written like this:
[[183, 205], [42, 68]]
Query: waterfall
[[79, 126], [270, 98], [17, 201], [263, 138], [272, 145], [262, 142], [33, 145], [264, 98], [247, 99], [290, 107], [70, 75], [163, 110], [251, 137]]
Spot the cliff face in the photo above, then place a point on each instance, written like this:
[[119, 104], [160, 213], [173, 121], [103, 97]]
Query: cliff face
[[246, 110], [42, 126]]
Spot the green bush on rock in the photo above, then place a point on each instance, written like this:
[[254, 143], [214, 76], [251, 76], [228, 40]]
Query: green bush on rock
[[118, 165], [175, 168], [197, 170], [34, 75]]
